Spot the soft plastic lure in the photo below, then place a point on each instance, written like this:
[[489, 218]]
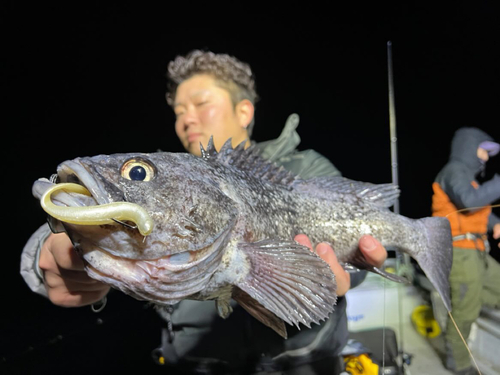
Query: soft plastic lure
[[96, 215]]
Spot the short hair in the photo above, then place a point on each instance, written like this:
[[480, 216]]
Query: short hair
[[230, 73]]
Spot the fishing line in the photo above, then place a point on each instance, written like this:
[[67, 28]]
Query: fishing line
[[465, 342], [473, 208], [383, 333]]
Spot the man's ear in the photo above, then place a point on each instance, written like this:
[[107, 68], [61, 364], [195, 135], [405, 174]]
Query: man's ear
[[245, 111]]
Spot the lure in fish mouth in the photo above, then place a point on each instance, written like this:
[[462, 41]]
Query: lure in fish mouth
[[109, 213]]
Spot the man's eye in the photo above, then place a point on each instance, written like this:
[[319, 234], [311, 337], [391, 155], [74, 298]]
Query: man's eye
[[201, 103]]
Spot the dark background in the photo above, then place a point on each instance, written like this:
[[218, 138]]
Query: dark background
[[89, 78]]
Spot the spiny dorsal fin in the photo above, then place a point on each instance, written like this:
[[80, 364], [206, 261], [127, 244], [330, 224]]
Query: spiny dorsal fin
[[210, 151], [381, 195], [248, 160]]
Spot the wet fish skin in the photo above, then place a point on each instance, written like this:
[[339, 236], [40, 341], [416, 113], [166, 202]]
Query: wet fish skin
[[224, 227]]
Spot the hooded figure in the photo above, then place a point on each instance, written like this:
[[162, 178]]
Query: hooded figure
[[475, 275], [456, 189]]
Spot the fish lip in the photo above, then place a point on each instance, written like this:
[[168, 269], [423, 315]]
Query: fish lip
[[77, 169], [61, 198], [40, 187], [73, 171]]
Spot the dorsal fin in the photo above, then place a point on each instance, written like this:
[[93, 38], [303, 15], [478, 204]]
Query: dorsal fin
[[248, 160], [381, 195], [210, 151]]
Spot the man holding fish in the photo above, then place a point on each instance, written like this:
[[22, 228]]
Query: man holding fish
[[213, 95]]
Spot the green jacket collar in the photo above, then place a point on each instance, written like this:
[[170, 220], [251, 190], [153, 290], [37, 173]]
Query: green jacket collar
[[285, 144]]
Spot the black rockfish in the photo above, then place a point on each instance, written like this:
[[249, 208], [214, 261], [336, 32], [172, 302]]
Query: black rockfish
[[164, 227]]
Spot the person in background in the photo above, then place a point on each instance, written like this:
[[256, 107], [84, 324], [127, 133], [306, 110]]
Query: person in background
[[213, 95], [475, 275]]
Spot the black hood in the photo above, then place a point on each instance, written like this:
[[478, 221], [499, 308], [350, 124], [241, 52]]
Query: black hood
[[465, 144]]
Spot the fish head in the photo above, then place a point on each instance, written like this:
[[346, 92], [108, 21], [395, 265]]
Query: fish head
[[191, 216]]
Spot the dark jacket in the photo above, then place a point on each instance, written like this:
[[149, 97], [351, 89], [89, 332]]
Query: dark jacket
[[456, 187]]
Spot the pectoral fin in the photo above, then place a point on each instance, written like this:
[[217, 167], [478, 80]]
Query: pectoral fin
[[290, 281]]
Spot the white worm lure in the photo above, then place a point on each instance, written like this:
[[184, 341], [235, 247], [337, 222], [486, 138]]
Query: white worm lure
[[96, 215]]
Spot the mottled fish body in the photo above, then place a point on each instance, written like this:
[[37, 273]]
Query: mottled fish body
[[224, 225]]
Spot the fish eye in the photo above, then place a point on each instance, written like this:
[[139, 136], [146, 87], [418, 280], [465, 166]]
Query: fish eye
[[138, 170]]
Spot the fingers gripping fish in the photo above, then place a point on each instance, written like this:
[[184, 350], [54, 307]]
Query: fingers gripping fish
[[224, 225]]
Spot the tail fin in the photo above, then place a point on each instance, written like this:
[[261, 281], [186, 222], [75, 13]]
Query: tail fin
[[436, 256]]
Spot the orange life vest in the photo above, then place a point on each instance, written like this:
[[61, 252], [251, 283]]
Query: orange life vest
[[462, 222]]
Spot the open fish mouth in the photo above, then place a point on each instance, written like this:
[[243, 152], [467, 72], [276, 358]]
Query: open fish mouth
[[84, 203]]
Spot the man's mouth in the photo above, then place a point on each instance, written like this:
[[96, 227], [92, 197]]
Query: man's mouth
[[193, 137]]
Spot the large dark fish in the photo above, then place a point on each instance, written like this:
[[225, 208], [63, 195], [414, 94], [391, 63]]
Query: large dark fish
[[221, 226]]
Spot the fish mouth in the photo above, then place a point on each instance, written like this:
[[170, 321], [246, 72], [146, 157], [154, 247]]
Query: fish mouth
[[76, 172], [72, 172], [79, 209]]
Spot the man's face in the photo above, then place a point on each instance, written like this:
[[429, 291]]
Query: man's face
[[204, 109]]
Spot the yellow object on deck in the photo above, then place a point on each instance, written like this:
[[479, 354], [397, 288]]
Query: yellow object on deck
[[423, 320], [360, 365]]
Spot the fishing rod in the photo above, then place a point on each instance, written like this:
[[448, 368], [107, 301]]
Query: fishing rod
[[392, 124], [402, 259]]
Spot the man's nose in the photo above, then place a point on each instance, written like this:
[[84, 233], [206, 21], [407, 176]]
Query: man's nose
[[189, 118]]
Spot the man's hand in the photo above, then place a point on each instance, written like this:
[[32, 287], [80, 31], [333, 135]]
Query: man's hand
[[373, 251], [66, 281], [496, 232]]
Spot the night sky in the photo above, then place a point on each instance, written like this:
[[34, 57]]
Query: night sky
[[90, 79]]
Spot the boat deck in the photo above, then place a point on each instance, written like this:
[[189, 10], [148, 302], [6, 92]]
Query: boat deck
[[378, 303]]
